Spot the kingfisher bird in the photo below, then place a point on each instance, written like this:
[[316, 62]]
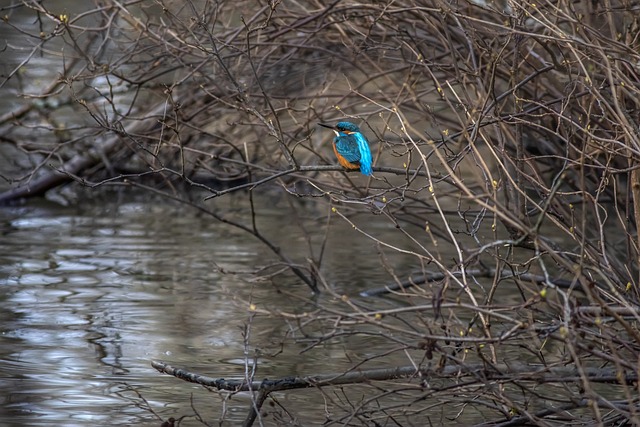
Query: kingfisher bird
[[351, 147]]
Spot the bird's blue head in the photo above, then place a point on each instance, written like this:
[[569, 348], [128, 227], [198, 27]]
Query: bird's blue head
[[347, 127]]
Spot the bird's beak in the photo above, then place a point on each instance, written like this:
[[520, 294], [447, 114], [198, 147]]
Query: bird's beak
[[333, 128]]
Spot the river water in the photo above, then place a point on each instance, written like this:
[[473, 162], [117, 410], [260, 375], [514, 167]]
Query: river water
[[91, 294]]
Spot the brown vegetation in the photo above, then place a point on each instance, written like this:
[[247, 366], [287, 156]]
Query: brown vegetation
[[506, 148]]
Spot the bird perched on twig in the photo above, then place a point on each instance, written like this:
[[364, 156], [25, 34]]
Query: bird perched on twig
[[351, 147]]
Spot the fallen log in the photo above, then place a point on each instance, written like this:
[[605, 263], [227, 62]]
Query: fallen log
[[81, 162]]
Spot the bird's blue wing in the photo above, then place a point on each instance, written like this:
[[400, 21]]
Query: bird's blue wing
[[348, 148], [364, 153]]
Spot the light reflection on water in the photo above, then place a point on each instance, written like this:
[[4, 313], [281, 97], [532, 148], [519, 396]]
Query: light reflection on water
[[89, 296], [88, 300]]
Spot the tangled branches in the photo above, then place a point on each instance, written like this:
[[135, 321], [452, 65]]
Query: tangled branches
[[505, 159]]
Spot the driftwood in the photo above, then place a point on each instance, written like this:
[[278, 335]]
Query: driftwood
[[421, 279], [511, 371], [81, 162], [58, 176]]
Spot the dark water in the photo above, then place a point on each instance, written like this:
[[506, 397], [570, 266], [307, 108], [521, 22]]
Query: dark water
[[89, 295]]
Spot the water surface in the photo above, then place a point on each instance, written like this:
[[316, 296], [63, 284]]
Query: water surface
[[91, 294]]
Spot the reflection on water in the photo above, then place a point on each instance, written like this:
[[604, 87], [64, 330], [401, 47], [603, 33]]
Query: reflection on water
[[90, 295]]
